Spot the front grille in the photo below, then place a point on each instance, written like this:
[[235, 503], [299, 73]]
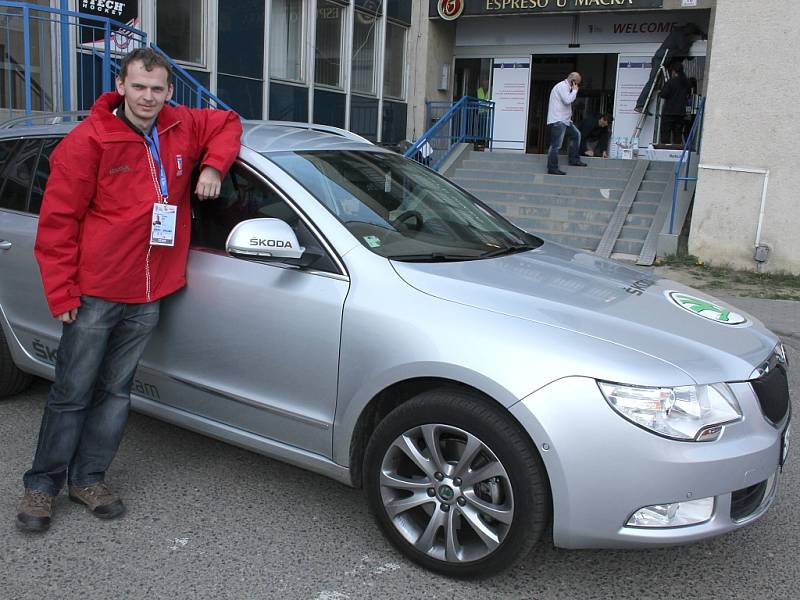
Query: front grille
[[746, 501], [772, 391]]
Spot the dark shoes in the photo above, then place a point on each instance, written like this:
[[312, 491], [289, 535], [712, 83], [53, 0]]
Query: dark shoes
[[35, 511], [99, 499], [579, 164], [555, 172]]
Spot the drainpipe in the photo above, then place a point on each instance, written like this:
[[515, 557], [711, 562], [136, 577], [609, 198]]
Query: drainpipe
[[760, 254]]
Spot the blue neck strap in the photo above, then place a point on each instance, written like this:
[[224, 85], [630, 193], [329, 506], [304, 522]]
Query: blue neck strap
[[155, 150]]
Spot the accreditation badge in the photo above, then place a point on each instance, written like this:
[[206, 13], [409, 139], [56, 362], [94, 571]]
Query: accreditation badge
[[162, 228]]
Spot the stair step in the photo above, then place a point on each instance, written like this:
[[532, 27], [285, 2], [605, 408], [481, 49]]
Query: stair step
[[474, 181], [583, 229], [643, 208], [536, 199], [631, 232], [652, 186], [633, 247], [524, 173], [513, 157], [563, 213]]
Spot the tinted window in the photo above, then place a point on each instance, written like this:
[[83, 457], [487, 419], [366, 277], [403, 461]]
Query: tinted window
[[18, 174], [41, 175], [244, 196]]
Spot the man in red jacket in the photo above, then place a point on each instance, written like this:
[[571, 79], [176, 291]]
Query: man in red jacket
[[113, 240]]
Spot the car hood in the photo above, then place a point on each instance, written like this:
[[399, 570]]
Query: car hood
[[579, 292]]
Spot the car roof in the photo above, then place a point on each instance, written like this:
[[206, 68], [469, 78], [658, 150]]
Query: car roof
[[259, 136]]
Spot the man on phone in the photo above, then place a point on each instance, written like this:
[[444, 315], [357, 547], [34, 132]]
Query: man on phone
[[559, 121]]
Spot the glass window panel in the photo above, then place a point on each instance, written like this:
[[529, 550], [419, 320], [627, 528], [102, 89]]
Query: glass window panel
[[364, 52], [286, 40], [18, 175], [394, 61], [41, 175], [328, 49], [329, 107], [179, 29], [288, 102], [241, 38]]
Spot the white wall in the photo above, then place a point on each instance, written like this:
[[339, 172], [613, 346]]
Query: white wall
[[750, 122]]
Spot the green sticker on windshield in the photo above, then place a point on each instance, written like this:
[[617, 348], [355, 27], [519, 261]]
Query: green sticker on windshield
[[372, 241]]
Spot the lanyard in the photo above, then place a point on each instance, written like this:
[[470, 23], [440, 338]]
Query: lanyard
[[155, 150]]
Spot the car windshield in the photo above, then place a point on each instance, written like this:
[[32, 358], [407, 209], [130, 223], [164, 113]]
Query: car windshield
[[400, 209]]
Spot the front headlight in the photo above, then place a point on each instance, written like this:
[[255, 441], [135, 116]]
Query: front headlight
[[693, 412]]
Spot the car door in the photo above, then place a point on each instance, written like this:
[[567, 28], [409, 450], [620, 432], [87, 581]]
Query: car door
[[251, 345], [25, 170]]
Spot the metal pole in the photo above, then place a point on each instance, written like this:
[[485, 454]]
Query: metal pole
[[107, 57], [66, 83], [26, 40]]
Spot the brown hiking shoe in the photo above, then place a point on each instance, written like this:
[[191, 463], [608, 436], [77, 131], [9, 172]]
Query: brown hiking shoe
[[35, 511], [99, 499]]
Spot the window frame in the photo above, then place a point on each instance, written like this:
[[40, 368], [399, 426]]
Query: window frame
[[342, 49], [258, 176], [403, 83], [303, 59], [204, 36], [377, 55]]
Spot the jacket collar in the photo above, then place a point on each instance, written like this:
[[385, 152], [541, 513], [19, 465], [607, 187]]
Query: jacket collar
[[112, 128]]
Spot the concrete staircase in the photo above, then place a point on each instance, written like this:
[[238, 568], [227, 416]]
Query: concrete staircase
[[584, 209]]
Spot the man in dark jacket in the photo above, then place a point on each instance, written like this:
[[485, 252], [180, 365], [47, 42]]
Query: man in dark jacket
[[677, 43], [113, 239], [595, 133], [673, 111]]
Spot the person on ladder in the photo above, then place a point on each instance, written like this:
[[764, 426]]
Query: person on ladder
[[675, 46], [673, 110]]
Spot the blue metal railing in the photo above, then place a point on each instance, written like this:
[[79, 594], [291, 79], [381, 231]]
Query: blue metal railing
[[468, 120], [46, 49], [686, 157]]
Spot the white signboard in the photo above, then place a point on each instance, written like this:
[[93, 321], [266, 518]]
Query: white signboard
[[510, 81], [632, 75]]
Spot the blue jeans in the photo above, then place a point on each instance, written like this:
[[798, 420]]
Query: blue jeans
[[557, 131], [87, 407]]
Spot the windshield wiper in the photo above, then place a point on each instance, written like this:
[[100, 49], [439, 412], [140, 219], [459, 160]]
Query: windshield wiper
[[432, 257], [508, 250]]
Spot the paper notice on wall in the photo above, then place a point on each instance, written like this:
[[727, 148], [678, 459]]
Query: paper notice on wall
[[632, 75], [510, 80]]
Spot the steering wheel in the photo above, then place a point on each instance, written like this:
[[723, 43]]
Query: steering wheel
[[410, 214]]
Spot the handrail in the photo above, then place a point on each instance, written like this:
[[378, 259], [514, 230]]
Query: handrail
[[195, 86], [467, 120], [687, 156]]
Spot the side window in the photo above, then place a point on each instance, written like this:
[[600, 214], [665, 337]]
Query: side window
[[18, 174], [41, 174], [244, 196]]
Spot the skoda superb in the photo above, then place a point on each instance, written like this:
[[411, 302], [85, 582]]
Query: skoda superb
[[354, 313]]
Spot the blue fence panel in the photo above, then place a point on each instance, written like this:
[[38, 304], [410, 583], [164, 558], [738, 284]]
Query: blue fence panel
[[468, 120]]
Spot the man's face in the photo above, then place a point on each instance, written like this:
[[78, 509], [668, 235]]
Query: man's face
[[145, 92], [603, 122]]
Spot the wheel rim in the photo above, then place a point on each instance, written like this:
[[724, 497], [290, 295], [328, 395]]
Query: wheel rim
[[446, 493]]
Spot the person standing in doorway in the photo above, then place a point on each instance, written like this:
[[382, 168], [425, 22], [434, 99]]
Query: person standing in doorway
[[559, 121], [673, 111], [105, 265]]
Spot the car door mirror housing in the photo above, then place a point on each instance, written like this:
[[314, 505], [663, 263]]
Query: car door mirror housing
[[263, 239]]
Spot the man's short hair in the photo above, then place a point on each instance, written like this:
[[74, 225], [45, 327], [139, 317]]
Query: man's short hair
[[150, 60]]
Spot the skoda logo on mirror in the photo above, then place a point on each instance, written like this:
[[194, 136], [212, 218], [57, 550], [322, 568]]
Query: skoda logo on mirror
[[706, 309]]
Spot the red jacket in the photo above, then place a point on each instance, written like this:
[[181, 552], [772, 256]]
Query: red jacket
[[94, 225]]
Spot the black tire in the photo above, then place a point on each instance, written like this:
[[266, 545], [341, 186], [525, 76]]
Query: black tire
[[449, 413], [12, 380]]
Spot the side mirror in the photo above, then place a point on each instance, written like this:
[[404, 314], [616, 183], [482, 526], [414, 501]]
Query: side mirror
[[263, 239]]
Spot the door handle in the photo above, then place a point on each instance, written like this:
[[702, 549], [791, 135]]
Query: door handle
[[5, 245]]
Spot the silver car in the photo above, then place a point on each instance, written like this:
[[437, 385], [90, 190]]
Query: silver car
[[354, 313]]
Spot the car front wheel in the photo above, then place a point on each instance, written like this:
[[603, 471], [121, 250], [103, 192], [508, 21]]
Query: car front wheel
[[12, 380], [456, 484]]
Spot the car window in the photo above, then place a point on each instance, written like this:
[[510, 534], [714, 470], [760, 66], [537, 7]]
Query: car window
[[18, 174], [41, 174], [399, 209], [245, 196]]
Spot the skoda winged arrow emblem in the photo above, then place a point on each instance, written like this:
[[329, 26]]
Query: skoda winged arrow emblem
[[706, 309]]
